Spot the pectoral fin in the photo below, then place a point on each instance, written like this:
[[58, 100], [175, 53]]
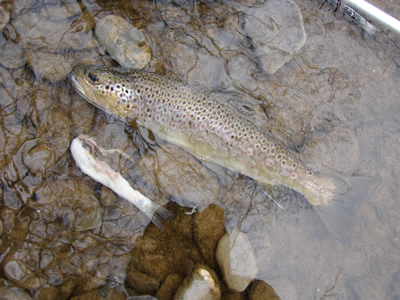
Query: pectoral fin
[[274, 193]]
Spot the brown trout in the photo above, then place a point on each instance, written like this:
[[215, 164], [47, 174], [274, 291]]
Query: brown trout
[[215, 132]]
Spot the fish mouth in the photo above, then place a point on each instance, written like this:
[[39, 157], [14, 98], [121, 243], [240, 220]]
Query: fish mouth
[[76, 84], [79, 88]]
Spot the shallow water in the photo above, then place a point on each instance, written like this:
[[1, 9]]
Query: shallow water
[[335, 102]]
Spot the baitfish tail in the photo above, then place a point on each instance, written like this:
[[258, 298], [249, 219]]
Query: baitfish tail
[[338, 214], [156, 213]]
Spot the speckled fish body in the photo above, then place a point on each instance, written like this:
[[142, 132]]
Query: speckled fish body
[[205, 126]]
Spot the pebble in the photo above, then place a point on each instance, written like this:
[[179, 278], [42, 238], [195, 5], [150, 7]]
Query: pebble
[[11, 293], [236, 260], [200, 284], [124, 42]]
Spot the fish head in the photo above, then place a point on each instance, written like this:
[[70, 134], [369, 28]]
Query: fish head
[[108, 89]]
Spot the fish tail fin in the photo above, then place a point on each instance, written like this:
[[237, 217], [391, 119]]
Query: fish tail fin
[[338, 214], [161, 213], [156, 213]]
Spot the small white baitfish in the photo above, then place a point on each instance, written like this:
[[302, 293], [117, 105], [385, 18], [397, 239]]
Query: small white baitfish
[[84, 150], [215, 132]]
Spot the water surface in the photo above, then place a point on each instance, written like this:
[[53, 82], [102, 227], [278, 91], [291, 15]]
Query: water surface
[[335, 102]]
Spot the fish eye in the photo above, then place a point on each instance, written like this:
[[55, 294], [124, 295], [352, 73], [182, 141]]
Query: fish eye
[[93, 77]]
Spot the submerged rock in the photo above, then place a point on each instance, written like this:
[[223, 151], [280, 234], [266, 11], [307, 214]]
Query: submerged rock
[[200, 284], [237, 261], [276, 32], [124, 42]]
